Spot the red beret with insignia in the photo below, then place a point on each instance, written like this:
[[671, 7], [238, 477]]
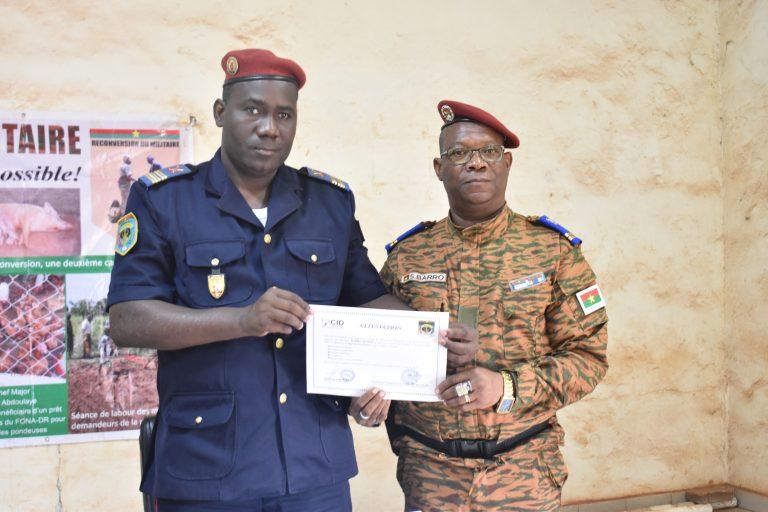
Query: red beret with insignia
[[257, 64], [456, 112]]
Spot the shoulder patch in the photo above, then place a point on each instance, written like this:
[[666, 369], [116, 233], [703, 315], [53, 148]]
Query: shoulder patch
[[320, 175], [418, 228], [545, 221], [127, 233], [166, 173]]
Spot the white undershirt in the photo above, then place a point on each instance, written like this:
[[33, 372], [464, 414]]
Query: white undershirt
[[261, 214]]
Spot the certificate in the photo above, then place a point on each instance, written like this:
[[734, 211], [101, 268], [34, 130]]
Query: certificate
[[350, 350]]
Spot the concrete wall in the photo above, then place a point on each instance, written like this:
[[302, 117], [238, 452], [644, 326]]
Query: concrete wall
[[744, 39], [617, 105]]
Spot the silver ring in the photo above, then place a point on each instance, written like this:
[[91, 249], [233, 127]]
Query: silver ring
[[463, 388], [363, 416], [467, 398]]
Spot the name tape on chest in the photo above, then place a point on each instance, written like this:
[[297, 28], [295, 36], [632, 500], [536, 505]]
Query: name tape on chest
[[590, 299], [434, 277], [527, 282]]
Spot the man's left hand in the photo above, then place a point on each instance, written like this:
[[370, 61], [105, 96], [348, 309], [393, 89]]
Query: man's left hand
[[462, 343], [487, 389]]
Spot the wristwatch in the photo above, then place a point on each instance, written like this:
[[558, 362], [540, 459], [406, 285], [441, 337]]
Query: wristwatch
[[508, 398]]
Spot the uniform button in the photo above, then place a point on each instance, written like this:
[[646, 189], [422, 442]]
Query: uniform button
[[279, 343], [313, 258], [283, 398], [199, 420], [215, 262], [267, 238]]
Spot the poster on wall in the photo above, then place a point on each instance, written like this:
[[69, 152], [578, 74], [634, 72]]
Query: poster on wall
[[64, 182]]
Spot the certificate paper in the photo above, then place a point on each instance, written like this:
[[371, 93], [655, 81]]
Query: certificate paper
[[350, 350]]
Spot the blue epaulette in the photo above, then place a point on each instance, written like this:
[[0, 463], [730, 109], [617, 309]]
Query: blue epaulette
[[166, 173], [421, 226], [545, 221], [320, 175]]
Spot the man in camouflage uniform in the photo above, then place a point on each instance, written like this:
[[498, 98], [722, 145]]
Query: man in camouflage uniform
[[493, 443]]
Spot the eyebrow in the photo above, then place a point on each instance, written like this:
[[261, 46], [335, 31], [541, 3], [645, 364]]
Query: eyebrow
[[262, 103]]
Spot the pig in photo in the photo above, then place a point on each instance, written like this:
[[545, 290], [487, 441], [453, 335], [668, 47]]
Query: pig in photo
[[39, 222]]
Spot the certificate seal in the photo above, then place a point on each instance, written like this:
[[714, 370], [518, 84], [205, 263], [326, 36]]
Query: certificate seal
[[347, 375], [410, 376]]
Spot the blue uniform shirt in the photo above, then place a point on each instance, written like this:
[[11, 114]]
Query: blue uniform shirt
[[222, 433]]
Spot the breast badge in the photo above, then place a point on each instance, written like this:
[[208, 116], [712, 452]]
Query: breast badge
[[217, 283]]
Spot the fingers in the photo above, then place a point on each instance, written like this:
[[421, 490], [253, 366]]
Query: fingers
[[371, 408], [452, 380], [464, 403], [292, 302], [462, 344]]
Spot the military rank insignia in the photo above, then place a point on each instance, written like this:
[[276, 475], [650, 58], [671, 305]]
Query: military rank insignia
[[590, 299], [127, 233]]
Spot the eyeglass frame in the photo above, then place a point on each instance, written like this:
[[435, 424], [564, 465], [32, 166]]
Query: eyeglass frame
[[478, 150]]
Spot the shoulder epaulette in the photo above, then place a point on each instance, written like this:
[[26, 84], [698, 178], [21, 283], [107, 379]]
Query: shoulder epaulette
[[421, 226], [166, 173], [545, 221], [320, 175]]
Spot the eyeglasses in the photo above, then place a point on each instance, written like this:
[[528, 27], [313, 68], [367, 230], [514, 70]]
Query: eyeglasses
[[460, 156]]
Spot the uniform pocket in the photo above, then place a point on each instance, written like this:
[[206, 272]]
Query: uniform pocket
[[424, 296], [523, 316], [553, 466], [335, 434], [200, 435], [226, 256], [315, 258]]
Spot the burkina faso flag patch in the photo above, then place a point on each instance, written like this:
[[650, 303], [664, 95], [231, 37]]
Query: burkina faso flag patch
[[591, 299]]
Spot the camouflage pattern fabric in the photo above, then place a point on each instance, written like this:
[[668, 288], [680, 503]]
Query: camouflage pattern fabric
[[539, 332]]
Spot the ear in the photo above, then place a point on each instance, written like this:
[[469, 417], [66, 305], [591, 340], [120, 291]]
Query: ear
[[508, 159], [218, 112], [436, 163]]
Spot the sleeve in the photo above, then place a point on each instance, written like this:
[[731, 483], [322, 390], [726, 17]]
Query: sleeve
[[577, 362], [361, 281], [387, 274], [146, 271]]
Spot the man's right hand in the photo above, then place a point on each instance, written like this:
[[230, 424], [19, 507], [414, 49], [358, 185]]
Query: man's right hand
[[276, 311]]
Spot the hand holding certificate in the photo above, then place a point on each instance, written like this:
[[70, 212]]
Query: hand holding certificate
[[350, 350]]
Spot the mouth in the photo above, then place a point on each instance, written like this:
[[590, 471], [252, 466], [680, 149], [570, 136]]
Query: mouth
[[265, 151]]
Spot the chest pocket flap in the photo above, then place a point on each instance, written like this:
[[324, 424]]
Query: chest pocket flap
[[200, 254], [311, 250], [200, 410]]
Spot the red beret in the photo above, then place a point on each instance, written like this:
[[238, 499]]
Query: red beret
[[257, 64], [454, 112]]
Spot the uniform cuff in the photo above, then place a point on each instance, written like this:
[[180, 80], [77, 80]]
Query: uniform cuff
[[363, 295], [525, 385]]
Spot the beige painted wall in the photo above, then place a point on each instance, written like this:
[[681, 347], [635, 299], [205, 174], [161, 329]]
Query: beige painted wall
[[617, 105], [744, 39]]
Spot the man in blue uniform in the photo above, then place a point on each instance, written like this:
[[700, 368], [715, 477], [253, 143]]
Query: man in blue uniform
[[215, 267]]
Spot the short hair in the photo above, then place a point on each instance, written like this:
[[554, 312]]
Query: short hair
[[225, 92]]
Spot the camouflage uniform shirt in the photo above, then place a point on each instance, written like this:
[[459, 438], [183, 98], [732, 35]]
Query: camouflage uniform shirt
[[516, 282]]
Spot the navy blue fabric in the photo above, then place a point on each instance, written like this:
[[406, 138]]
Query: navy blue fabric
[[332, 498], [221, 432]]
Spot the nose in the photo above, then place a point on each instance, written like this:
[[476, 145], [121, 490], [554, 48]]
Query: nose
[[267, 127], [476, 163]]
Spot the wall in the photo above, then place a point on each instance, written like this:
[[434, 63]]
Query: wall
[[617, 107], [744, 68]]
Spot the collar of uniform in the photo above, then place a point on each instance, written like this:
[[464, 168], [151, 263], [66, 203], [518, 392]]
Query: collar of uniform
[[283, 199], [487, 230]]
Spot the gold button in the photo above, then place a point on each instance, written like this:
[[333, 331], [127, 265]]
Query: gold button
[[313, 258], [267, 238], [279, 343], [215, 262], [283, 398], [199, 420]]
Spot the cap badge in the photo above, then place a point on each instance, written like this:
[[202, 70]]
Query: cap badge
[[447, 113], [232, 65]]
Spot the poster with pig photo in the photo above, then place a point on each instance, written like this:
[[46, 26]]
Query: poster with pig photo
[[39, 222], [64, 183]]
